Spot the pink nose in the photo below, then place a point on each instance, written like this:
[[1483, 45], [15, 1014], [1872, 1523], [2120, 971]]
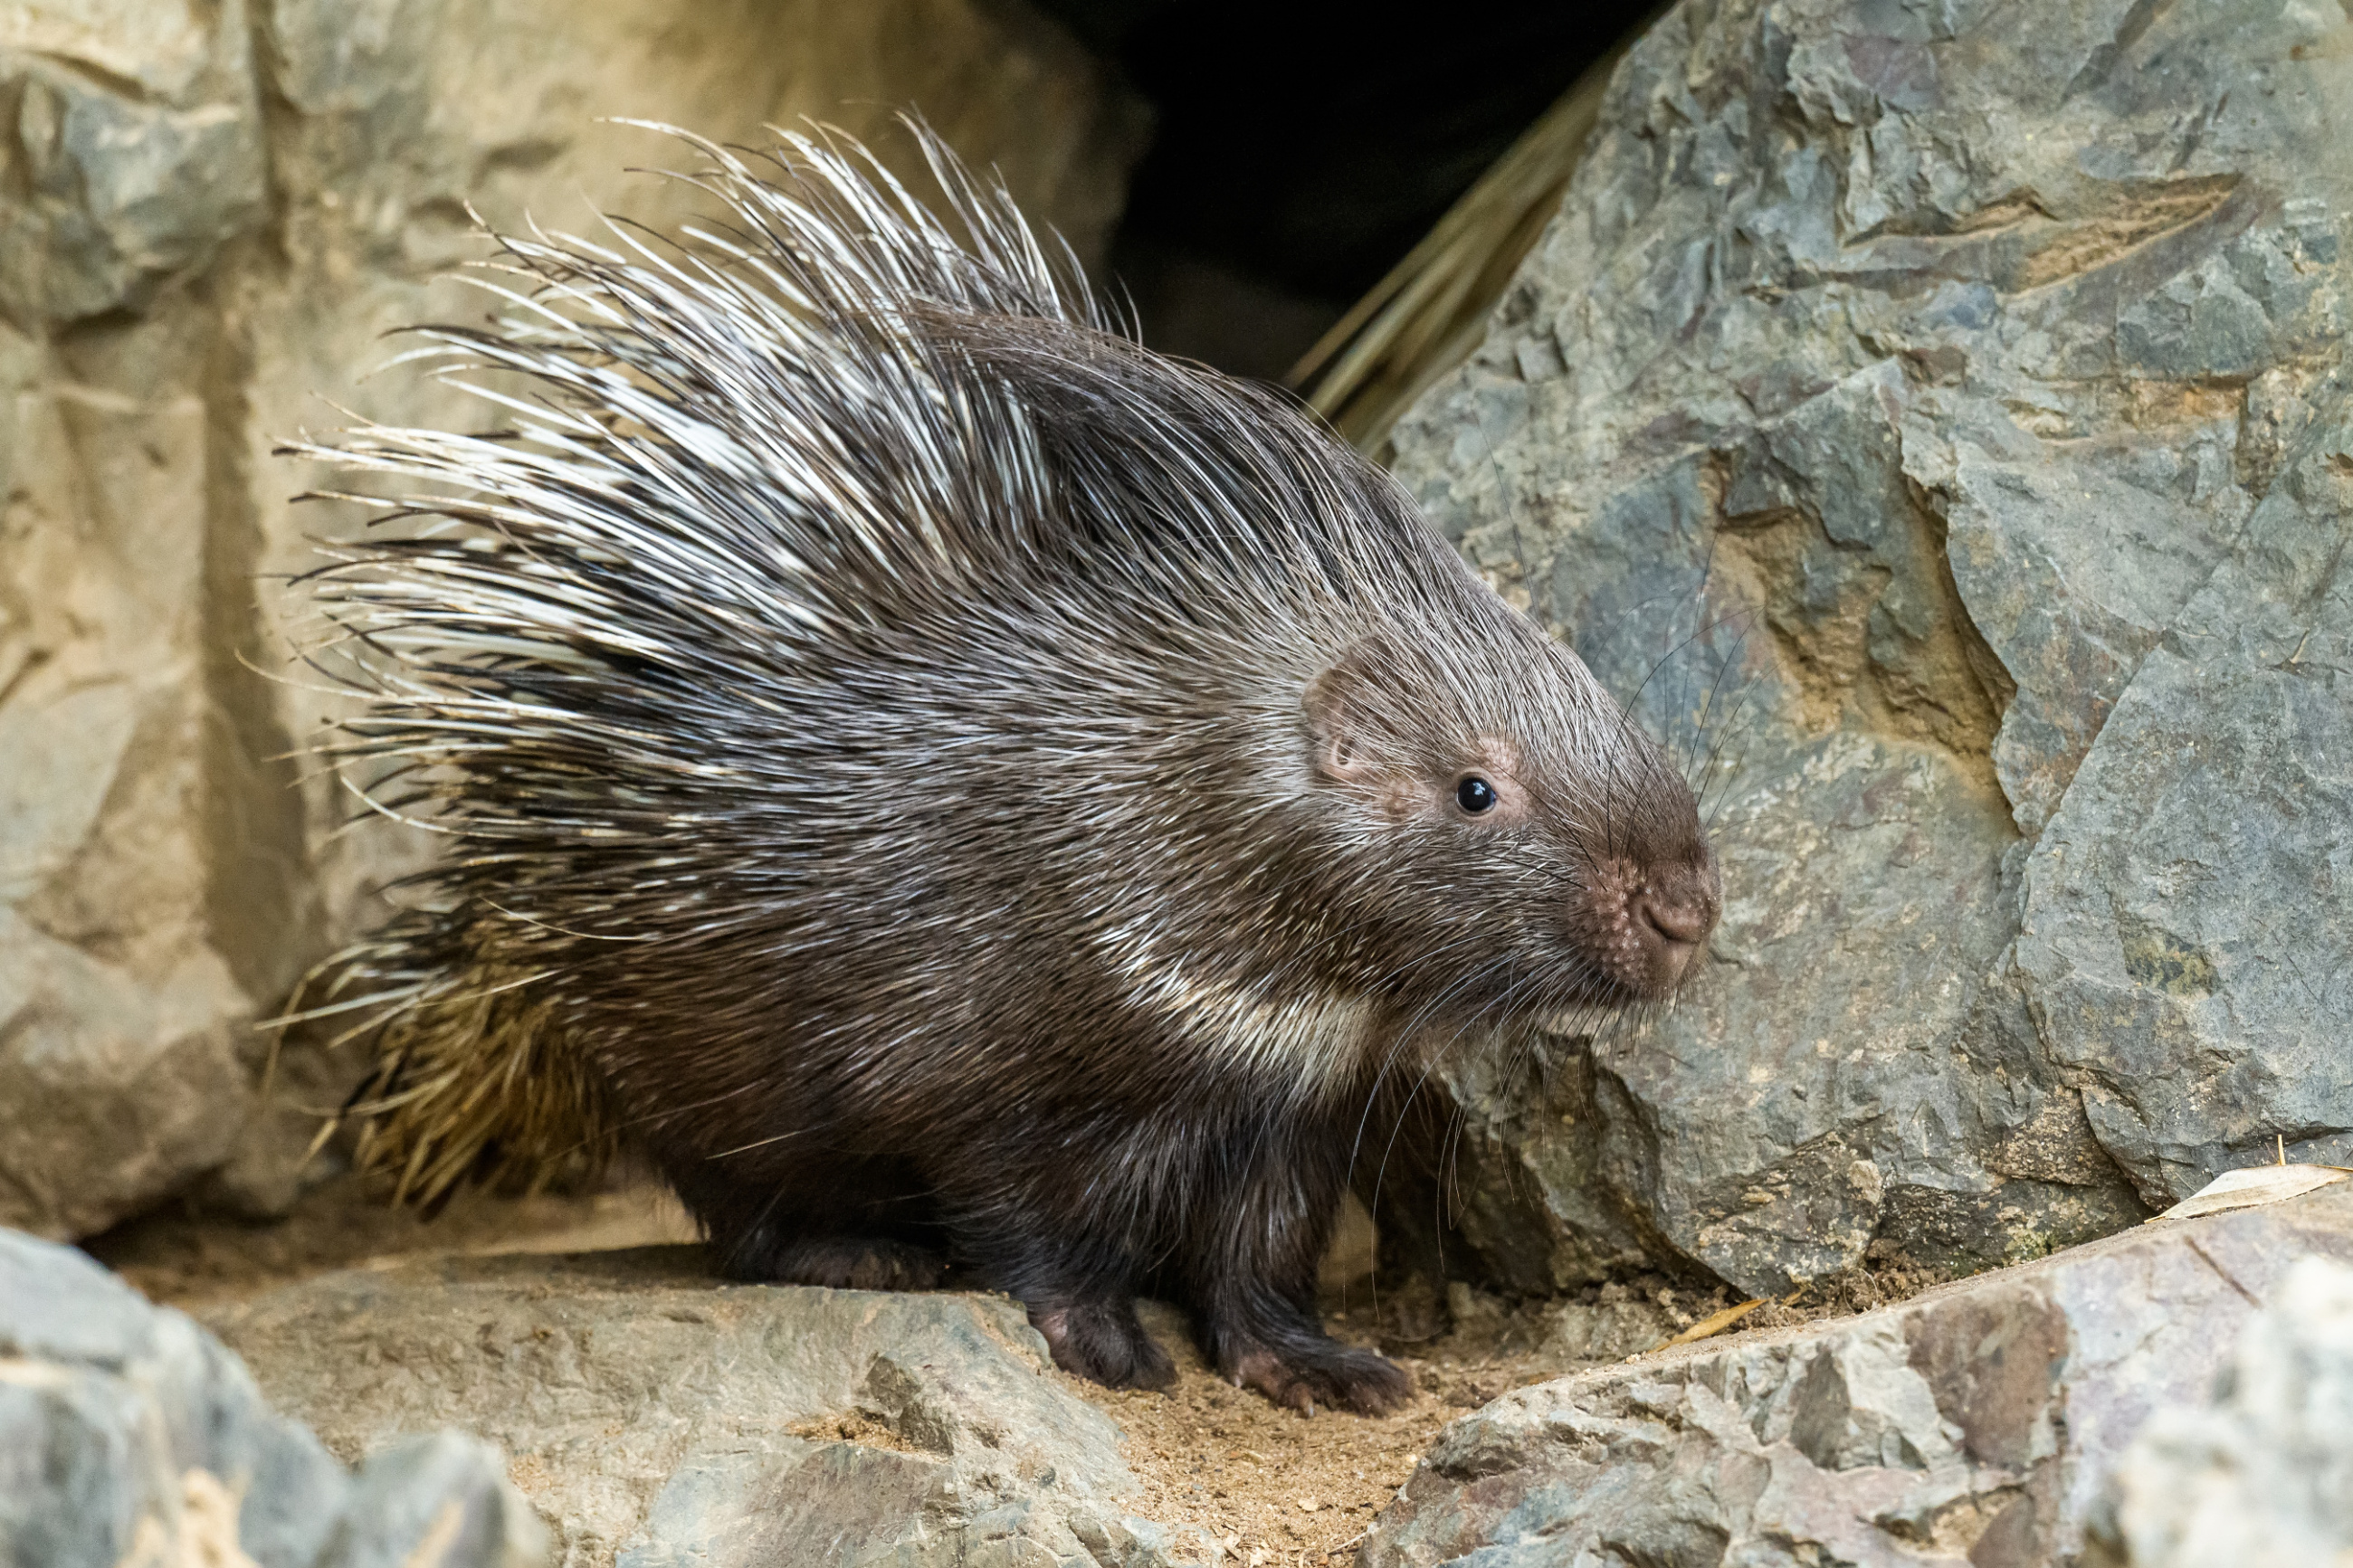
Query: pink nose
[[1682, 922], [1672, 912]]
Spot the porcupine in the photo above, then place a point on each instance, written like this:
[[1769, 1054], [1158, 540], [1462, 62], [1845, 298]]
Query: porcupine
[[953, 788]]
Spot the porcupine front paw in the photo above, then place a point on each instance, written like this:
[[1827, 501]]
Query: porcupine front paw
[[1328, 1375], [1102, 1341], [856, 1263]]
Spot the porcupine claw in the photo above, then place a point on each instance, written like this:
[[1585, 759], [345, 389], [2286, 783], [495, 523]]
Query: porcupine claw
[[1341, 1378]]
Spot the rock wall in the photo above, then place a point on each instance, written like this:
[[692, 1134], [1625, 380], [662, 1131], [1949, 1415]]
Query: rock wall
[[1933, 421], [211, 214]]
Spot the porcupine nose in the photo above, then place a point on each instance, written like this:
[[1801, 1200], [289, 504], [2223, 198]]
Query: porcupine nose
[[1674, 911]]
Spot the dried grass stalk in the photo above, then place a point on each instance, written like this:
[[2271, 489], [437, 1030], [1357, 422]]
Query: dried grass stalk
[[1428, 315]]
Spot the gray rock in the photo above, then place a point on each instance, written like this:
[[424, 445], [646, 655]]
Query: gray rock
[[659, 1419], [2264, 1472], [127, 1433], [2189, 932], [1929, 423], [138, 158], [440, 1498], [1975, 1424]]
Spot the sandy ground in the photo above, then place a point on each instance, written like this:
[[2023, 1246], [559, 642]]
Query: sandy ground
[[1272, 1485]]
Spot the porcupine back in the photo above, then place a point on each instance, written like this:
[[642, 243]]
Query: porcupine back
[[838, 533]]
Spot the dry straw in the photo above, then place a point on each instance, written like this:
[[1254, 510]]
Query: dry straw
[[1428, 315]]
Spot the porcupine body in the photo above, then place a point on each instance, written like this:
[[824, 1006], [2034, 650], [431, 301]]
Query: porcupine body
[[950, 786]]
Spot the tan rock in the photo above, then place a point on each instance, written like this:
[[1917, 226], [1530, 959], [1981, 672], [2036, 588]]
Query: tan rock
[[123, 185], [184, 282]]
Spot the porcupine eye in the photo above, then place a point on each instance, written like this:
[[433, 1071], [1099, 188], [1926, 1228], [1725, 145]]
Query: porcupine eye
[[1475, 794]]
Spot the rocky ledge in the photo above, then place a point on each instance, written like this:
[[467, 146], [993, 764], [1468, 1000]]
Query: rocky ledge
[[657, 1418], [2139, 1401], [1991, 1422]]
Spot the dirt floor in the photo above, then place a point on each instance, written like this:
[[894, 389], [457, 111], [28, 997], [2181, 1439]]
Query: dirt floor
[[1270, 1486], [1273, 1487]]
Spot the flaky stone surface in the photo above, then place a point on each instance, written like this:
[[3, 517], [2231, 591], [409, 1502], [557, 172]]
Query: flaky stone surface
[[129, 1435], [1933, 424], [657, 1418], [1975, 1424], [214, 212], [2188, 925]]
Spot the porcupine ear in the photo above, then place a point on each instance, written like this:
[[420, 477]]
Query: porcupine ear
[[1343, 708], [1372, 735]]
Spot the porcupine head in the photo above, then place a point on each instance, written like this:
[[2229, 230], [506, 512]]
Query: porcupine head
[[967, 797]]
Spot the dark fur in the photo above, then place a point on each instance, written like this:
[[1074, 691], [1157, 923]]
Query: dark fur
[[951, 898]]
